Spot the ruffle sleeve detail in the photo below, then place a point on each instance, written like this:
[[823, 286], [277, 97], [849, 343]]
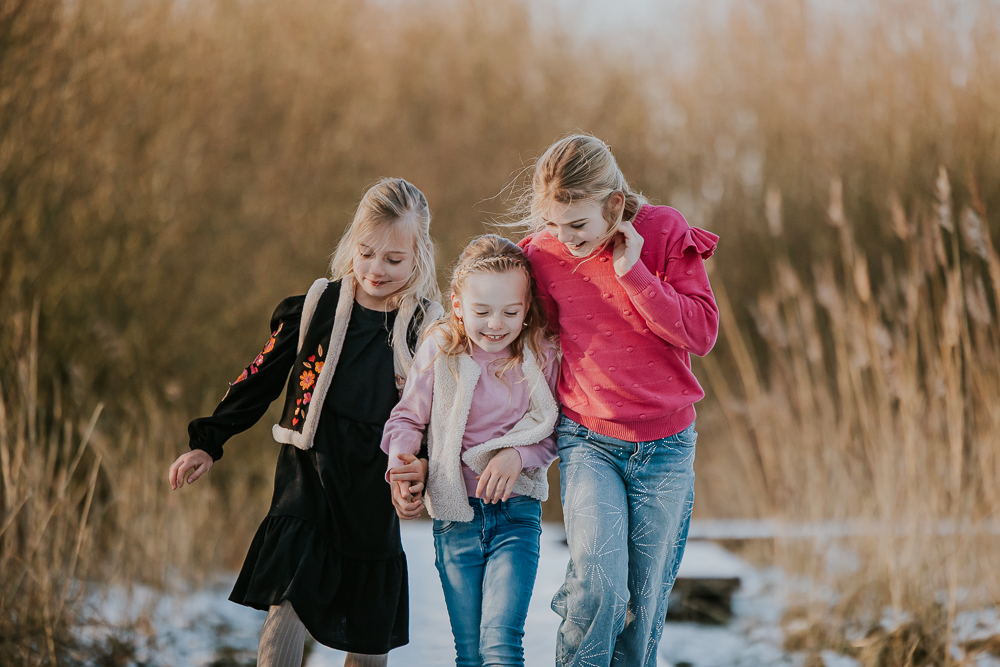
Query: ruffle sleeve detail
[[704, 243]]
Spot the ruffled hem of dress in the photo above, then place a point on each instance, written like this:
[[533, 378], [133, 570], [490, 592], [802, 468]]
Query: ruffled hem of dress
[[353, 605]]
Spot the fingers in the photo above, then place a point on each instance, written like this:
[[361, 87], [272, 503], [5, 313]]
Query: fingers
[[197, 471], [405, 508], [482, 483], [406, 458], [188, 467], [399, 475], [508, 488], [491, 487]]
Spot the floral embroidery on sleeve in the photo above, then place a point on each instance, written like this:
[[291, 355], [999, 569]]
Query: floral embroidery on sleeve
[[255, 366]]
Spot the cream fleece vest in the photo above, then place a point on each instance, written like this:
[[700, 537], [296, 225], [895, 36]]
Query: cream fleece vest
[[446, 497], [402, 357]]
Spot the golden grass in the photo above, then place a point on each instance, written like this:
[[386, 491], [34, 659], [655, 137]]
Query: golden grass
[[879, 404], [169, 171]]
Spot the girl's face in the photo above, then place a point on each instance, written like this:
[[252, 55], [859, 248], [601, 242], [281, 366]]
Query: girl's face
[[493, 307], [580, 226], [382, 265]]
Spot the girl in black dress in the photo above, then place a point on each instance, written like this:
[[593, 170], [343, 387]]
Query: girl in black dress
[[328, 557]]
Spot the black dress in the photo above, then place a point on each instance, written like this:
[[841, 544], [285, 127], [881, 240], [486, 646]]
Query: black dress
[[330, 542]]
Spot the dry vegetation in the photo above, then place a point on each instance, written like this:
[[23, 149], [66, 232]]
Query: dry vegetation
[[169, 171]]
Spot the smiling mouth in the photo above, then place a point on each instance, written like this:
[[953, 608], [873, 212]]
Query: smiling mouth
[[494, 337], [576, 246], [377, 283]]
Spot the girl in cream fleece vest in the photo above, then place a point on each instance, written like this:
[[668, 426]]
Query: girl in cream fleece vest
[[481, 388]]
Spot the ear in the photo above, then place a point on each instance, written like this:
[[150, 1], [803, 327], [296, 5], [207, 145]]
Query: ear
[[456, 305], [617, 202], [613, 207]]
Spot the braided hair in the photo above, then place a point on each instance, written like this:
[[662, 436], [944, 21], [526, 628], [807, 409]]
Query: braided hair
[[494, 254]]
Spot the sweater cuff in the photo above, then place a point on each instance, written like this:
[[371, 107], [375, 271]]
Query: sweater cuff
[[215, 451], [529, 457], [637, 278]]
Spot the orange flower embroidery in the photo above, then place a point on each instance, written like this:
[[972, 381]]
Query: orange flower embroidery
[[307, 379], [319, 367]]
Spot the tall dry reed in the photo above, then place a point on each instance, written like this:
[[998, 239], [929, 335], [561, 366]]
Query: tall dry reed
[[84, 500], [879, 403]]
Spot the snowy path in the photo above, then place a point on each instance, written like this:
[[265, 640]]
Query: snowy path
[[431, 642], [203, 628]]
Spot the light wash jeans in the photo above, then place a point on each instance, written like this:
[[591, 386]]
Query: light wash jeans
[[627, 508], [487, 569]]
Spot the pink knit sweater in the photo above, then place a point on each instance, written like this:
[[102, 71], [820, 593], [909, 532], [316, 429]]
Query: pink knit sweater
[[626, 370]]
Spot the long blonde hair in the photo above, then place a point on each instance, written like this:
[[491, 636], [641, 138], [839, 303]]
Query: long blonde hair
[[490, 253], [394, 203], [579, 168]]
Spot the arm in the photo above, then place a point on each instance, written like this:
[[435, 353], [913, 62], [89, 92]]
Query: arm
[[680, 308], [499, 476], [549, 305], [541, 454], [408, 421], [404, 431], [247, 399]]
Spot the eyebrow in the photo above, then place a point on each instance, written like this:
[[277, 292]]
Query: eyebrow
[[486, 305]]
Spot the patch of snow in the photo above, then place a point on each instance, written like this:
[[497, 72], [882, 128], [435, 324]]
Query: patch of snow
[[707, 560]]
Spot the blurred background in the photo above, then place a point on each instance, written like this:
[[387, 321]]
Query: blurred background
[[170, 170]]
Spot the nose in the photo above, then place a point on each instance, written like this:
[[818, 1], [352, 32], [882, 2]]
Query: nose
[[377, 268], [565, 236], [494, 323]]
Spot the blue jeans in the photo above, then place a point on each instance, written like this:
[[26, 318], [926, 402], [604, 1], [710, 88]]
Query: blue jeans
[[627, 507], [487, 569]]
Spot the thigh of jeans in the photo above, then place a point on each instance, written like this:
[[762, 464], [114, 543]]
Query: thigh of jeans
[[595, 512], [511, 565], [661, 494], [461, 561]]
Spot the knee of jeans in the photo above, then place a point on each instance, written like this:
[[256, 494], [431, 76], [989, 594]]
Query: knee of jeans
[[501, 645]]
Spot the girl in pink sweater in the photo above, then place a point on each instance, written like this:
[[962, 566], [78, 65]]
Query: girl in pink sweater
[[625, 286], [481, 388]]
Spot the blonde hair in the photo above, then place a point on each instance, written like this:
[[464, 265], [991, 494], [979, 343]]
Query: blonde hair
[[579, 168], [395, 204], [490, 253]]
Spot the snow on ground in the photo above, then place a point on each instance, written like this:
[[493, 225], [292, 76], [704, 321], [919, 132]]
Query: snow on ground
[[202, 626]]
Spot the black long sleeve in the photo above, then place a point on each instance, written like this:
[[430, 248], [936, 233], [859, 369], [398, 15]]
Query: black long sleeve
[[256, 388]]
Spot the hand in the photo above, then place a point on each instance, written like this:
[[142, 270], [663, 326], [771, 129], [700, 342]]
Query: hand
[[409, 502], [407, 486], [188, 467], [497, 480], [628, 246]]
